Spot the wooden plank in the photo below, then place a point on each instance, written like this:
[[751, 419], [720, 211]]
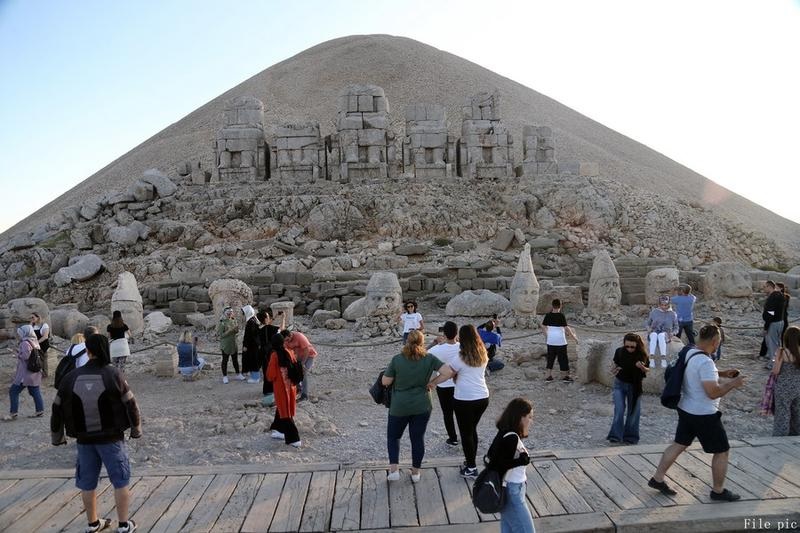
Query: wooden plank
[[646, 469], [762, 441], [28, 502], [142, 491], [680, 476], [571, 523], [346, 513], [616, 491], [572, 501], [106, 506], [701, 470], [71, 510], [650, 498], [754, 486], [754, 469], [541, 498], [374, 499], [182, 506], [593, 495], [606, 451], [214, 499], [402, 506], [64, 473], [290, 506], [158, 501], [235, 510], [700, 517], [317, 511], [53, 503], [260, 515], [775, 461], [789, 449], [457, 499], [17, 491], [430, 505], [258, 468], [6, 484]]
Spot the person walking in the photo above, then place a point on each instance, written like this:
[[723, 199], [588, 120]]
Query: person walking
[[305, 352], [95, 406], [699, 415], [226, 331], [119, 333], [24, 378], [630, 367], [773, 320], [265, 333], [188, 361], [283, 427], [410, 319], [77, 349], [446, 350], [508, 455], [786, 300], [662, 324], [42, 330], [409, 374], [471, 395], [251, 345], [787, 386], [684, 301], [555, 330]]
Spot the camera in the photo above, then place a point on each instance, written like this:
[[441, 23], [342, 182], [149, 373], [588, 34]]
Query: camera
[[441, 329]]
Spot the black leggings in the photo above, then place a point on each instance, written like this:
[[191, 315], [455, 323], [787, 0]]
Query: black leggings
[[287, 427], [446, 402], [468, 414], [235, 357]]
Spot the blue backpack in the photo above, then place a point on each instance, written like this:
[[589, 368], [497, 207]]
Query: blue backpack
[[673, 377]]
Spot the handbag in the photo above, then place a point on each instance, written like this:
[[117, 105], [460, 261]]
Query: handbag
[[768, 398], [381, 394]]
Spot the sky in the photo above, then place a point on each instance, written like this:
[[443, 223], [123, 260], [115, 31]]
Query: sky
[[712, 84]]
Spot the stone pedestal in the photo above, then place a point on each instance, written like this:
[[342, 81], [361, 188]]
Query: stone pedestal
[[166, 362], [287, 308]]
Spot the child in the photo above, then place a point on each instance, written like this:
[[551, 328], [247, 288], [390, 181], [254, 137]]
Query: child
[[717, 321], [556, 330]]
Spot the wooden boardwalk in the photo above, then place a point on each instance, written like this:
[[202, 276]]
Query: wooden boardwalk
[[601, 489]]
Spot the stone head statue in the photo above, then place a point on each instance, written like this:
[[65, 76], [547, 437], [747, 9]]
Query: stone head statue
[[604, 290], [384, 296], [525, 286]]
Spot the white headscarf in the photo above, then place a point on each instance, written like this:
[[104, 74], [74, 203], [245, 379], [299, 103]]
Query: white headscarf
[[26, 333], [248, 311]]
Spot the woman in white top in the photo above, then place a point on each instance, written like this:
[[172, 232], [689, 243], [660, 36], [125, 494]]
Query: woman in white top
[[508, 455], [411, 320], [471, 396]]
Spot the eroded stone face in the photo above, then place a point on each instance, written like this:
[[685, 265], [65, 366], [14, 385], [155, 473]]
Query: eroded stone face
[[605, 295], [727, 280], [525, 287], [384, 295], [232, 293]]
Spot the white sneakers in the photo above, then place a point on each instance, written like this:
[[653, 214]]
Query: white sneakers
[[416, 477], [652, 363], [393, 476], [277, 434], [296, 444], [251, 380], [663, 363], [239, 377], [225, 380]]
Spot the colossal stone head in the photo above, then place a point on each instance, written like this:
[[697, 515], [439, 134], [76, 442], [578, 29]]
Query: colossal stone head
[[384, 295], [524, 286], [229, 293], [727, 280], [604, 291]]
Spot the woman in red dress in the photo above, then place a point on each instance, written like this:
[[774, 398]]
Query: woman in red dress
[[285, 392]]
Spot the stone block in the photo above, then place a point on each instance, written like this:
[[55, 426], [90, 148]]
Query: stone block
[[286, 278], [375, 120], [180, 306], [503, 239], [166, 362], [467, 273], [412, 249]]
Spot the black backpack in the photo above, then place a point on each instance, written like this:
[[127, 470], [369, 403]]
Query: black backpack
[[673, 378], [295, 372], [35, 360], [488, 492], [65, 366]]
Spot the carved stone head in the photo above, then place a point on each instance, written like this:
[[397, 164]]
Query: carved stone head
[[525, 286], [604, 290], [384, 295]]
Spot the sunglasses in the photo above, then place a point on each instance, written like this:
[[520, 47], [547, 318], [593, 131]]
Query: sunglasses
[[630, 346]]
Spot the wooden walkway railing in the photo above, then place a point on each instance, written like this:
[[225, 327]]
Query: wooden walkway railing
[[601, 489]]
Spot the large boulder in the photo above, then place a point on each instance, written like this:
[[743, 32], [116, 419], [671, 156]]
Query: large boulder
[[157, 323], [477, 303], [22, 308], [321, 316], [163, 185], [337, 219], [80, 268], [727, 280], [127, 300], [67, 321], [659, 282], [355, 310]]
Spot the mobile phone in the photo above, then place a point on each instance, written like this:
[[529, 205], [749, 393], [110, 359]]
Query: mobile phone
[[735, 374]]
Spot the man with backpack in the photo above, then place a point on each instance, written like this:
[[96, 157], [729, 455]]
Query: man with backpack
[[699, 415]]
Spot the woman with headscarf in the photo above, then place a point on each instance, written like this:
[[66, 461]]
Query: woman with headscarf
[[662, 325], [630, 367], [285, 391], [23, 378], [118, 332], [251, 345]]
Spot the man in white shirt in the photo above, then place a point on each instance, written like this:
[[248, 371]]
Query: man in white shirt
[[446, 349], [699, 415]]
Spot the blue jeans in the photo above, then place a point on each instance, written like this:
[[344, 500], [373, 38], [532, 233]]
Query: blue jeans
[[13, 396], [688, 328], [305, 386], [417, 424], [515, 517], [718, 354], [623, 429]]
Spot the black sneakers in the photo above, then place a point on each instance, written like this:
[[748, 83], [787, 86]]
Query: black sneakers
[[661, 486], [100, 525], [451, 442], [724, 496], [469, 473]]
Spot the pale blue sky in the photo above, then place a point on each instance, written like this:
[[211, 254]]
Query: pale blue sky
[[712, 84]]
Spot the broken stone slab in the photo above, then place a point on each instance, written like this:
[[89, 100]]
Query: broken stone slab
[[163, 185], [123, 235], [542, 243], [80, 268], [20, 241], [321, 316], [503, 239], [157, 323], [412, 249]]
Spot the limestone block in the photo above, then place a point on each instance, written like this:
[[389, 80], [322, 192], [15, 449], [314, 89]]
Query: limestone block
[[142, 191], [335, 323], [571, 297], [283, 309], [412, 249], [157, 323], [321, 316], [81, 238], [20, 241], [163, 185], [659, 282], [372, 137], [376, 120], [355, 310], [232, 293], [503, 239], [166, 361], [123, 235], [349, 122], [67, 321], [727, 280], [20, 310], [480, 303], [90, 210], [80, 268]]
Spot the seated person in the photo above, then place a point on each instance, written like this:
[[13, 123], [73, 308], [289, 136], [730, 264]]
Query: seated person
[[188, 361], [492, 337]]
